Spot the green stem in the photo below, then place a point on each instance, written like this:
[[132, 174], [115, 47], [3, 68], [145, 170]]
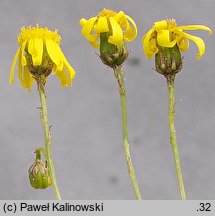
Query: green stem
[[47, 136], [170, 85], [118, 72]]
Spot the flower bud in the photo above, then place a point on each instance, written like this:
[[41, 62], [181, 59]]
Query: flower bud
[[110, 54], [39, 175], [168, 61]]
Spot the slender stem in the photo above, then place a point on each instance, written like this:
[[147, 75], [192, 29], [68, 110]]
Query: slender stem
[[118, 72], [170, 85], [47, 136]]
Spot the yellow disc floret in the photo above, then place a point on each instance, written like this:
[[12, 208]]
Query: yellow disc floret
[[37, 32], [106, 13]]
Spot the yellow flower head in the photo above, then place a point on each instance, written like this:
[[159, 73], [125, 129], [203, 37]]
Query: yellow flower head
[[39, 54], [166, 33], [119, 26]]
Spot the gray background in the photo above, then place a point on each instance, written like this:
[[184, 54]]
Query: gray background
[[86, 119]]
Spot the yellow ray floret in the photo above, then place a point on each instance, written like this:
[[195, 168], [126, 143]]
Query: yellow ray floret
[[119, 26], [42, 45], [166, 33]]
